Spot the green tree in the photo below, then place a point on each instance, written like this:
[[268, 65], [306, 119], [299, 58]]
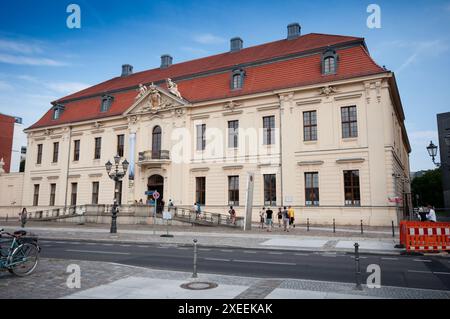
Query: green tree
[[429, 188]]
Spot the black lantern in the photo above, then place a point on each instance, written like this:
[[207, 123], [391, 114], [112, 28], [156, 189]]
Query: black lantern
[[432, 151]]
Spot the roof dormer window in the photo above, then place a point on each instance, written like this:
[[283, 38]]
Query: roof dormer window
[[57, 111], [106, 103], [329, 62], [237, 79]]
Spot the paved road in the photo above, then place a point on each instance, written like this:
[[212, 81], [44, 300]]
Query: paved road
[[403, 271]]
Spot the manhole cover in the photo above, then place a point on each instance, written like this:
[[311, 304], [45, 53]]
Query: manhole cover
[[199, 285]]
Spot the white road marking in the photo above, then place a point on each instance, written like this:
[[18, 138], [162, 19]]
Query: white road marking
[[60, 242], [275, 253], [388, 258], [299, 254], [142, 246], [226, 250], [182, 248], [421, 272], [107, 244], [96, 252], [125, 245], [249, 252], [217, 259], [91, 244], [423, 260], [328, 255], [441, 273], [205, 249], [262, 262]]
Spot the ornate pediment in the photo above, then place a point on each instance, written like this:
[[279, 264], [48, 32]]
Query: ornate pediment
[[154, 99]]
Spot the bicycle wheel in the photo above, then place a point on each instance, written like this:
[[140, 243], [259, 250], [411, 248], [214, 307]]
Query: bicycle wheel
[[24, 259]]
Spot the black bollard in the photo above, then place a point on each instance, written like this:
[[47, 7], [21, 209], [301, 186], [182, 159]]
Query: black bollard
[[307, 224], [357, 268], [362, 230], [334, 226], [393, 229], [6, 217], [194, 274]]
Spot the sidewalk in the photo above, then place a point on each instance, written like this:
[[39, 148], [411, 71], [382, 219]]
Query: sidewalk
[[297, 239], [124, 282]]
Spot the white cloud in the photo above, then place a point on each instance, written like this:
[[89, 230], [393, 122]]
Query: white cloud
[[66, 87], [208, 38], [4, 86], [24, 60], [21, 47], [421, 49]]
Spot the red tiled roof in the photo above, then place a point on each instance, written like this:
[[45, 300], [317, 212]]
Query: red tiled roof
[[295, 71]]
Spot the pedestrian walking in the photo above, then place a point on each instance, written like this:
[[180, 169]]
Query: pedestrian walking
[[197, 210], [23, 217], [269, 216], [280, 217], [285, 219], [232, 213], [291, 217], [262, 215], [431, 216]]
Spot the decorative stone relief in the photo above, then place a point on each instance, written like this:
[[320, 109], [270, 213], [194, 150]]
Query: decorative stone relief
[[327, 90], [231, 106], [173, 88]]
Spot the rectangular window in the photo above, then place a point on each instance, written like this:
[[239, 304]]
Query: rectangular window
[[270, 190], [36, 195], [312, 189], [269, 130], [201, 137], [39, 154], [200, 190], [351, 188], [233, 136], [76, 150], [310, 126], [233, 190], [52, 194], [98, 147], [120, 144], [55, 152], [349, 122], [95, 191], [73, 194]]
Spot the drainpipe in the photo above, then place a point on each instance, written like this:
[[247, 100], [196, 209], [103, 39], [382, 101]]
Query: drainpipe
[[67, 168], [281, 155]]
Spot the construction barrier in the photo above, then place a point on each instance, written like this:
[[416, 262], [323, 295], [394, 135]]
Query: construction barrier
[[425, 236]]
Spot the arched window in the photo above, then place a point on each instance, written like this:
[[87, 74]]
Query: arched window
[[156, 142], [329, 62], [57, 111], [106, 103], [237, 79]]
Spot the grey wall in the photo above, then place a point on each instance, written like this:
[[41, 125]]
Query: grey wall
[[444, 130]]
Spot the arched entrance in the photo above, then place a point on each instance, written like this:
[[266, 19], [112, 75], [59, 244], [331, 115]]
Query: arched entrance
[[156, 182]]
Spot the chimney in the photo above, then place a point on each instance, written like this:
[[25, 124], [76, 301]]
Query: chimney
[[293, 31], [166, 61], [236, 44], [127, 69]]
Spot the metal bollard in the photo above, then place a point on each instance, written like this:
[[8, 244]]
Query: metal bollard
[[357, 268], [362, 230], [307, 224], [194, 274], [334, 226], [393, 229], [6, 217]]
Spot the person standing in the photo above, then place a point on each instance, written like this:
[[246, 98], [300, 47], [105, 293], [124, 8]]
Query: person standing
[[269, 216], [431, 216], [262, 215], [291, 214], [23, 217], [280, 217], [285, 219], [232, 213]]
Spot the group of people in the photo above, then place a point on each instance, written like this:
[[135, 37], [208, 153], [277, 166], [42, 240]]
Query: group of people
[[285, 215], [427, 214]]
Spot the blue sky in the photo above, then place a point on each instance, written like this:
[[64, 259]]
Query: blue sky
[[41, 59]]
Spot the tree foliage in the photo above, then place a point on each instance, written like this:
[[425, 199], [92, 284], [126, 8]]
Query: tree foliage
[[429, 188]]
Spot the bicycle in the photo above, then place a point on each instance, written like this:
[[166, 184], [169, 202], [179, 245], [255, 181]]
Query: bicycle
[[19, 253]]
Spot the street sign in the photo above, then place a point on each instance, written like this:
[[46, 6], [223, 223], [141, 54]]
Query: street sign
[[156, 195], [149, 193]]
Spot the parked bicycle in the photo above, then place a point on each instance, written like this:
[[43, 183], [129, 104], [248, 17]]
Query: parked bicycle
[[19, 253]]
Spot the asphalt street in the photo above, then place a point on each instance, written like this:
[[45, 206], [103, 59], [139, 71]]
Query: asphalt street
[[426, 272]]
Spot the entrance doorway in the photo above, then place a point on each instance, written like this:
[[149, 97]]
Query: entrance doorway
[[156, 182]]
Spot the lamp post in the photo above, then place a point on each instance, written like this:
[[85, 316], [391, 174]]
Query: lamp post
[[116, 175], [432, 151]]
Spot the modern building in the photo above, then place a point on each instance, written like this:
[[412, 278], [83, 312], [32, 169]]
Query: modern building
[[12, 140], [444, 143], [313, 118]]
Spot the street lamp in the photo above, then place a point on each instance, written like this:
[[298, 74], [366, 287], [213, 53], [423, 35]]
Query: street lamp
[[116, 176], [432, 151]]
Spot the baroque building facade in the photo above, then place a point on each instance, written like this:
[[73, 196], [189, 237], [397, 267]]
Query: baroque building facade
[[312, 117]]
